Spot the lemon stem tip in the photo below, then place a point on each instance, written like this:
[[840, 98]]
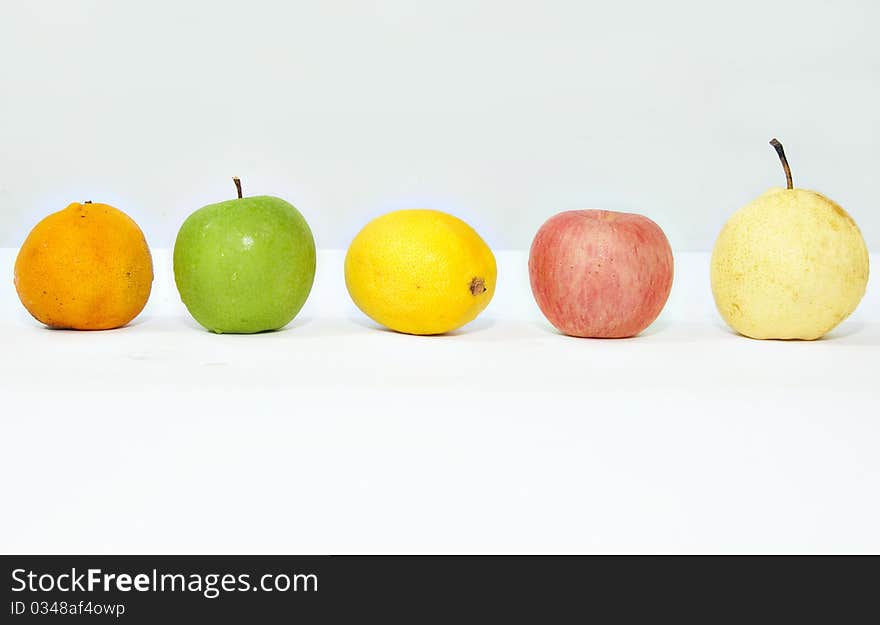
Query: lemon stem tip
[[478, 285]]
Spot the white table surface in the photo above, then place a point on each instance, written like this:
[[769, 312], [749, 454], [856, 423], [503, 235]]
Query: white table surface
[[334, 436]]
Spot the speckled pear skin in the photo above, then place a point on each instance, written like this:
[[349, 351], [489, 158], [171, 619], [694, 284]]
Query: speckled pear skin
[[791, 264]]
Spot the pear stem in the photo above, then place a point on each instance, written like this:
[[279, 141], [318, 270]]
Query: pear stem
[[237, 182], [778, 147]]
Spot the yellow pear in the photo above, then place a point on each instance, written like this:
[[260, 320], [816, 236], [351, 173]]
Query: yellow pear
[[791, 264]]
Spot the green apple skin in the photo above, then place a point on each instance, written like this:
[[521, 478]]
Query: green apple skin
[[245, 265]]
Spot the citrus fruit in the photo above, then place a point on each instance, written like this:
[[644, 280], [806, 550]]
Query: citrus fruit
[[86, 267], [420, 271]]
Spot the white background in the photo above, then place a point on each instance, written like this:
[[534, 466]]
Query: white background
[[335, 436], [501, 112]]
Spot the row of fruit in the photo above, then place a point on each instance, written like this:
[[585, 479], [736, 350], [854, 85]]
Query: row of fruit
[[791, 264]]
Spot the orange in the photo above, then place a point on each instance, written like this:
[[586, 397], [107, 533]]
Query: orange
[[86, 267]]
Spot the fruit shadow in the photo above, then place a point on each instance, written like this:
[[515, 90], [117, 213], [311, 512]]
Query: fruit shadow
[[130, 325], [191, 324], [478, 325], [297, 324], [839, 334], [658, 327], [846, 330]]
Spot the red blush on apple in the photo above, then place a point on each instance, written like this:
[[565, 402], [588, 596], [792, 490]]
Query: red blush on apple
[[600, 274]]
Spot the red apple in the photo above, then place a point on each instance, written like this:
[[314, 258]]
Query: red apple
[[600, 274]]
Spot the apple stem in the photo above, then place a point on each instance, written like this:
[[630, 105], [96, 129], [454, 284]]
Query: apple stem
[[778, 147], [237, 182]]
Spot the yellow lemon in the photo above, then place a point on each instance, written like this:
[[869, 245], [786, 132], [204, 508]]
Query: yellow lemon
[[420, 271]]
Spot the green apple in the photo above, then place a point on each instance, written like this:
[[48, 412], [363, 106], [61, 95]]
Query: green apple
[[244, 265]]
